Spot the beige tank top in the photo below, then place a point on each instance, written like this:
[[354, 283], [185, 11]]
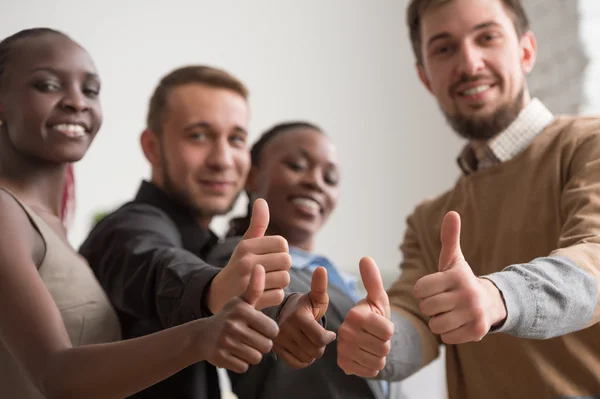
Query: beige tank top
[[86, 311]]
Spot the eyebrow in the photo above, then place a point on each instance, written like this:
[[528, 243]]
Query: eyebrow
[[206, 125], [58, 72], [445, 35], [307, 155]]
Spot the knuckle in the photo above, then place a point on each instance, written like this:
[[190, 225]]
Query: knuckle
[[320, 353], [471, 294], [286, 279], [386, 348], [479, 314], [447, 340], [242, 247], [255, 357], [221, 354], [372, 373], [282, 244], [279, 296], [322, 340], [345, 332], [389, 330], [373, 318], [267, 346], [353, 313], [433, 326], [287, 261], [230, 327], [417, 289], [480, 329]]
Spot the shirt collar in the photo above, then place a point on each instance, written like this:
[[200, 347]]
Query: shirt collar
[[195, 238], [300, 258], [530, 122]]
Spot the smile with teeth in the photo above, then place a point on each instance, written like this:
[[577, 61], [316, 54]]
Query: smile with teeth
[[308, 203], [70, 130], [475, 90]]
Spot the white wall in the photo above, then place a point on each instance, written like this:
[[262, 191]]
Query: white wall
[[344, 64], [590, 36]]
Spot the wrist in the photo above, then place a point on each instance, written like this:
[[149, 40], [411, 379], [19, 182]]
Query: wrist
[[197, 342], [498, 312], [287, 306], [214, 302]]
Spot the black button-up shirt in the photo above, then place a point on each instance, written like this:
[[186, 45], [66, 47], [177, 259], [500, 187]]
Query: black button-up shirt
[[148, 256]]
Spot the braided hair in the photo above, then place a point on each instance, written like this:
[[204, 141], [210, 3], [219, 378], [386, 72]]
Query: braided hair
[[239, 225]]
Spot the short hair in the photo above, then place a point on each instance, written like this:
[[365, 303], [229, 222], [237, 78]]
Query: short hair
[[8, 44], [199, 74], [417, 8]]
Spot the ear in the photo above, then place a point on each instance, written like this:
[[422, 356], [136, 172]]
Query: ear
[[528, 52], [423, 76], [252, 179], [151, 147]]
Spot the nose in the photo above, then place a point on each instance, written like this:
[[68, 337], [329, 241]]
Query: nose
[[221, 155], [470, 60], [75, 100], [313, 179]]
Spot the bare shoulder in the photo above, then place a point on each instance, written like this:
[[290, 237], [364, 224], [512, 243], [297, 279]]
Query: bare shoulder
[[17, 235]]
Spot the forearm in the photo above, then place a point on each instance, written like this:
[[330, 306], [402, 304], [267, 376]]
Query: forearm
[[117, 370], [546, 298], [164, 283], [406, 355]]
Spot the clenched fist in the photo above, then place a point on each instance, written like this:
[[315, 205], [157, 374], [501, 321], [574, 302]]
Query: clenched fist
[[364, 337]]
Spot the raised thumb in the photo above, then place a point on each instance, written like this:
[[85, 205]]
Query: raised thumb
[[450, 254], [371, 277], [318, 292], [256, 285], [259, 220]]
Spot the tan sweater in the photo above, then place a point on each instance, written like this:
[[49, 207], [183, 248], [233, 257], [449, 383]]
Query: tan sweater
[[532, 226]]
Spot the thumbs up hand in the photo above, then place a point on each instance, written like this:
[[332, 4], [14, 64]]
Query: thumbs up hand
[[364, 337], [462, 306], [302, 339], [255, 249], [239, 335]]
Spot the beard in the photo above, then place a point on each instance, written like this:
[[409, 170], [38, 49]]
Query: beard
[[185, 197], [487, 126]]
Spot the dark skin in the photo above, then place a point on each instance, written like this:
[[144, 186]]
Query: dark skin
[[299, 177], [38, 137], [300, 163], [42, 78]]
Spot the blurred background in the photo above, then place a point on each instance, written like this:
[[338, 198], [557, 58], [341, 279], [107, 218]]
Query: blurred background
[[345, 65]]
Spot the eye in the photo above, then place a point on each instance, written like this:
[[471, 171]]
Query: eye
[[198, 136], [47, 86], [331, 178], [295, 166], [239, 140], [91, 92], [489, 37], [442, 50]]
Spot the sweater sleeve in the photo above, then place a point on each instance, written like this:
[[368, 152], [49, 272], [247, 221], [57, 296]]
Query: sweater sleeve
[[558, 294]]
